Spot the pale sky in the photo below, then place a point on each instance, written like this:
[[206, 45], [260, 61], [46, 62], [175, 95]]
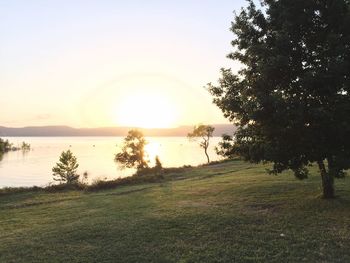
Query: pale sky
[[112, 63]]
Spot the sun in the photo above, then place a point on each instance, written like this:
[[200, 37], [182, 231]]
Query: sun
[[146, 110]]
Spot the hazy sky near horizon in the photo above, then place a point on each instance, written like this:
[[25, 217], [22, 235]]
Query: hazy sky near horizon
[[104, 63]]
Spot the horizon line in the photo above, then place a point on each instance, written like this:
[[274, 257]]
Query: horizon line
[[104, 127]]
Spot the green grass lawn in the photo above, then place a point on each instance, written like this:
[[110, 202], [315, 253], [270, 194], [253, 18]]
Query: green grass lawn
[[229, 212]]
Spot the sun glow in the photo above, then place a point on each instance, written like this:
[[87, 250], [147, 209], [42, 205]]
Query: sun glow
[[146, 110], [152, 150]]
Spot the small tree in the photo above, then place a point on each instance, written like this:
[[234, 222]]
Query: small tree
[[65, 170], [205, 132], [133, 153], [25, 146], [5, 146], [2, 148], [158, 165]]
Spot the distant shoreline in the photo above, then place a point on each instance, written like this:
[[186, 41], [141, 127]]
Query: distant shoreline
[[94, 136], [66, 131]]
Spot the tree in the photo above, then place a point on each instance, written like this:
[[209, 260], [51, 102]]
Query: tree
[[225, 147], [291, 99], [65, 171], [25, 146], [5, 146], [133, 153], [158, 164], [205, 132]]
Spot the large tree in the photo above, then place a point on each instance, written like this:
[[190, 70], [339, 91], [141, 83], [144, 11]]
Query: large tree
[[291, 98]]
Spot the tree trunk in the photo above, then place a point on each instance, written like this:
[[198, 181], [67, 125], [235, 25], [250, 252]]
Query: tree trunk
[[327, 181], [205, 150]]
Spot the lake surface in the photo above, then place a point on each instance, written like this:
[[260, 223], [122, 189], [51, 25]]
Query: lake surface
[[95, 156]]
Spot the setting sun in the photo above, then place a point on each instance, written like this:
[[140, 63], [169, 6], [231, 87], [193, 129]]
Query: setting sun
[[145, 110]]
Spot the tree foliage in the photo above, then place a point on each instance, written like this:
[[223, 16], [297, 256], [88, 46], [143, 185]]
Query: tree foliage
[[65, 171], [203, 132], [25, 146], [5, 146], [225, 148], [158, 164], [291, 99], [133, 152]]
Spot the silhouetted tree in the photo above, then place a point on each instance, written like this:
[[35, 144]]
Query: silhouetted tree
[[65, 171], [158, 165], [203, 132], [5, 146], [25, 146], [133, 153], [291, 99]]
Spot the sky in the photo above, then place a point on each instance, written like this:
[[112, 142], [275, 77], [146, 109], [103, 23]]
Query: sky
[[112, 63]]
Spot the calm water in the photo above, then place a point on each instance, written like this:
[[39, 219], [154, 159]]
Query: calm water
[[95, 156]]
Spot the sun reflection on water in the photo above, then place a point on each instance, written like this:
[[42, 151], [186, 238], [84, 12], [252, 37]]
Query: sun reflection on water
[[152, 149]]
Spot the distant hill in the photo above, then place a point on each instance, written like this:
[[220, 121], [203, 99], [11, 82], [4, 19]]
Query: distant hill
[[104, 131]]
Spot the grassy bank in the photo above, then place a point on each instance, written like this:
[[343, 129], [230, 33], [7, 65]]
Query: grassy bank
[[229, 212]]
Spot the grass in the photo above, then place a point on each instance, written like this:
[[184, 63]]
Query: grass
[[228, 212]]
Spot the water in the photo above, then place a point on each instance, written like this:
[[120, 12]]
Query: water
[[95, 156]]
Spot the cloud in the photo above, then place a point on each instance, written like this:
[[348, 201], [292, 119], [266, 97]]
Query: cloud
[[42, 116]]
